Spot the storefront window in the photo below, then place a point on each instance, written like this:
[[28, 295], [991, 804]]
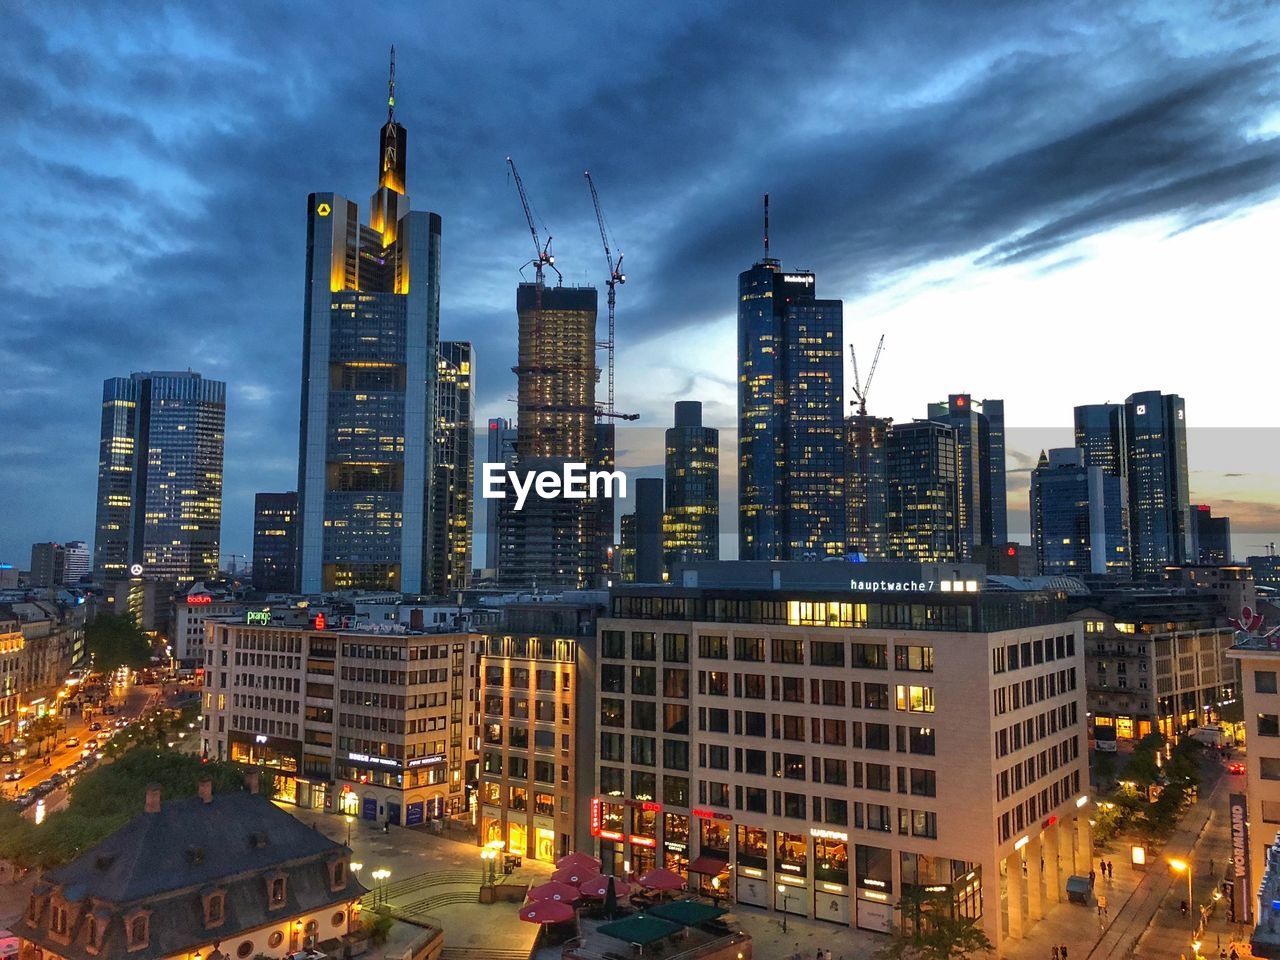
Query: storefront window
[[676, 828], [611, 817], [491, 793], [791, 853], [645, 823], [831, 859], [753, 846], [715, 837], [875, 868], [544, 805], [519, 798], [643, 860], [676, 861]]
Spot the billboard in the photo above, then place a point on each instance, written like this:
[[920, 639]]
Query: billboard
[[1240, 894]]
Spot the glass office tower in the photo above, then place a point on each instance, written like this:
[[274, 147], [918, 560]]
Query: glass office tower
[[790, 423], [691, 525], [275, 542], [1077, 516], [371, 325], [160, 476], [922, 491], [866, 485], [981, 507], [1159, 496], [452, 501]]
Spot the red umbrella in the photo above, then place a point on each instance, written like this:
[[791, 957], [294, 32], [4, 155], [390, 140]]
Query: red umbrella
[[546, 911], [579, 861], [661, 878], [599, 887], [574, 876], [555, 891]]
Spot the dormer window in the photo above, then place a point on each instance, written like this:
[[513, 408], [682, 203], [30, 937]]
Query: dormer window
[[58, 922], [337, 874], [138, 928], [277, 891], [215, 903]]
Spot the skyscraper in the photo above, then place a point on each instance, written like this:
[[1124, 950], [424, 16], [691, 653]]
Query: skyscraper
[[48, 561], [649, 567], [160, 476], [1210, 536], [1077, 516], [922, 492], [981, 508], [866, 485], [452, 501], [370, 327], [556, 543], [691, 524], [275, 542], [791, 459], [500, 447], [1159, 496], [76, 561], [1100, 434]]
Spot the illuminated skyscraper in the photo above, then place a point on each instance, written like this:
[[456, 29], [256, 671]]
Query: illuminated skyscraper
[[1077, 516], [981, 507], [790, 425], [160, 476], [922, 491], [1210, 536], [866, 485], [1159, 496], [691, 524], [275, 542], [451, 492], [371, 324], [500, 447]]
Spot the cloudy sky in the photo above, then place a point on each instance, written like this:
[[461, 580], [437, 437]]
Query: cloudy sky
[[1048, 202]]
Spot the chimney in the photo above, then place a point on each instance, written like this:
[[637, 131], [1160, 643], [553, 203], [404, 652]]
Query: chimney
[[251, 781], [205, 789], [153, 798]]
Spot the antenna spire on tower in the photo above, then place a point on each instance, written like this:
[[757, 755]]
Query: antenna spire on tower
[[391, 88], [766, 226]]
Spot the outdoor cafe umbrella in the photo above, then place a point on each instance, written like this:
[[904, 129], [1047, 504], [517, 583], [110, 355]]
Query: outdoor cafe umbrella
[[579, 861], [546, 911], [661, 878], [555, 891], [575, 876], [599, 887]]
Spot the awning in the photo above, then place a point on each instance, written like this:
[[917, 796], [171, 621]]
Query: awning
[[640, 929], [708, 866], [687, 913]]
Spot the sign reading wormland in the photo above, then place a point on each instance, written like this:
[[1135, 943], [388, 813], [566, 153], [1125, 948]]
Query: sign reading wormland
[[573, 481]]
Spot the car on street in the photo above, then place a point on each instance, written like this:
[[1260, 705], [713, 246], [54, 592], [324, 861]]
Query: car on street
[[7, 756], [14, 774], [1235, 767], [73, 741], [43, 787], [58, 779], [91, 744], [95, 726], [25, 800]]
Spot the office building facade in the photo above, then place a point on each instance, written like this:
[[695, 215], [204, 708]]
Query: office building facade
[[275, 542], [48, 563], [790, 417], [1159, 496], [1210, 536], [500, 447], [825, 743], [77, 560], [160, 476], [981, 508], [453, 503], [866, 486], [649, 565], [691, 523], [375, 723], [1077, 517], [922, 489], [371, 323]]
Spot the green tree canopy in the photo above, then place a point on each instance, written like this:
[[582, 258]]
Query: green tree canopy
[[115, 640], [936, 934]]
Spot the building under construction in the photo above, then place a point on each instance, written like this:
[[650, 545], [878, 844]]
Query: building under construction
[[556, 543]]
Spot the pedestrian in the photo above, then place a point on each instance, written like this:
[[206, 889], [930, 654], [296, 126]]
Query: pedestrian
[[1093, 874], [1063, 951], [1054, 954], [828, 954], [1111, 870]]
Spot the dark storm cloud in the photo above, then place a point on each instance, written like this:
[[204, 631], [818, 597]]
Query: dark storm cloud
[[158, 158]]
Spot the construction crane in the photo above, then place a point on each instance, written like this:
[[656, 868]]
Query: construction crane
[[860, 387], [616, 276], [541, 252]]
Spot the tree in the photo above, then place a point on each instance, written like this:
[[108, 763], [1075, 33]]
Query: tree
[[41, 729], [115, 640], [377, 927], [935, 932]]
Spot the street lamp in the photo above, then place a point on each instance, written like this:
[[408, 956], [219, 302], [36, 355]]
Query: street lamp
[[488, 856], [1181, 866], [380, 876], [786, 898], [349, 822]]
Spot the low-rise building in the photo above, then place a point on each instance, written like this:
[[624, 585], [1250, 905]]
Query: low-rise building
[[11, 643], [214, 875], [54, 643], [1232, 584], [538, 707], [821, 738], [1154, 662], [190, 612], [380, 722]]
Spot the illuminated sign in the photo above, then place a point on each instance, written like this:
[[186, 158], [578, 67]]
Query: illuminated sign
[[643, 841], [610, 835], [199, 599], [572, 482], [872, 883], [790, 867], [914, 586], [711, 815], [259, 739], [373, 759], [135, 570], [595, 816], [323, 209], [828, 834], [425, 761], [797, 278], [1240, 857], [319, 622], [258, 617]]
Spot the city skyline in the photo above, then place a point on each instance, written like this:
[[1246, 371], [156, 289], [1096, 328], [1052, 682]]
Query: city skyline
[[1171, 237]]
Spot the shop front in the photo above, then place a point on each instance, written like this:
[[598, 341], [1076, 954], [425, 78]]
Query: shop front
[[873, 874], [280, 756], [753, 865], [715, 836], [830, 875], [956, 882], [675, 843]]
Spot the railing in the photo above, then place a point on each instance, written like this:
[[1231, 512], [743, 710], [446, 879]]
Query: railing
[[576, 950]]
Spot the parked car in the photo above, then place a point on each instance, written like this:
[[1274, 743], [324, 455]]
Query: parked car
[[14, 774], [73, 741], [7, 756]]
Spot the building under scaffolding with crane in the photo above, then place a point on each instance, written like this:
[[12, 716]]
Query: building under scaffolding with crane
[[555, 543], [866, 479]]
